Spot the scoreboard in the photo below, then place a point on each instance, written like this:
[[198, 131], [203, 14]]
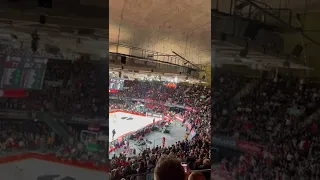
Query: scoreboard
[[116, 84], [22, 72]]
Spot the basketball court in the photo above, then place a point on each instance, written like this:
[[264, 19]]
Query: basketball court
[[125, 123], [35, 169]]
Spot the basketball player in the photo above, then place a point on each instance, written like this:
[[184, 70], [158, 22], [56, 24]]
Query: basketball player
[[113, 133], [153, 124], [163, 141]]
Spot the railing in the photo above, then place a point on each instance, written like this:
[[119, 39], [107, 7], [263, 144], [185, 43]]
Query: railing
[[167, 104], [149, 175], [146, 54]]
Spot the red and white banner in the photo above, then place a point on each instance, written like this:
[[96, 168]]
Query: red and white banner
[[250, 147]]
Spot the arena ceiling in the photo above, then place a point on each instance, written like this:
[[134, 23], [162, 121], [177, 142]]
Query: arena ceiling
[[309, 11], [309, 39], [69, 30], [154, 76], [294, 5], [161, 26]]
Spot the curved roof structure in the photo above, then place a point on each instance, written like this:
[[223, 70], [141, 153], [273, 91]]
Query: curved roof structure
[[161, 26], [67, 31], [273, 47]]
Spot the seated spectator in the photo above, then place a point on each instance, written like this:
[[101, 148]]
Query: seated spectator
[[196, 176], [169, 168]]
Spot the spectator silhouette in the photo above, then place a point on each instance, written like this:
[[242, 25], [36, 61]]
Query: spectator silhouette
[[169, 168]]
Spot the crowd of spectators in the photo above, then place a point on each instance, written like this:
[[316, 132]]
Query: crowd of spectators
[[74, 88], [69, 89], [35, 136], [156, 97], [279, 115], [17, 135]]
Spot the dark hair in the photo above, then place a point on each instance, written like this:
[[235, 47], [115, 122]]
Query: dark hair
[[169, 168], [196, 176]]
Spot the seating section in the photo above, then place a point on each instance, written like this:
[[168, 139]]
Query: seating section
[[74, 90], [278, 115]]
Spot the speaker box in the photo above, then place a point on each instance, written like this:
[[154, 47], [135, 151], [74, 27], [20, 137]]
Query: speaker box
[[123, 60], [252, 29], [297, 50]]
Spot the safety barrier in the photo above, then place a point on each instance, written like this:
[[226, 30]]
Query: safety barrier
[[155, 115]]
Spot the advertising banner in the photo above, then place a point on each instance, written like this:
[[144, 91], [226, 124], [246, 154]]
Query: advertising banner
[[21, 93], [239, 145], [224, 142], [174, 104], [87, 119], [179, 117], [93, 147], [16, 114]]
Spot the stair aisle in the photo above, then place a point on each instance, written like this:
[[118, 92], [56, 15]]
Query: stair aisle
[[57, 126]]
